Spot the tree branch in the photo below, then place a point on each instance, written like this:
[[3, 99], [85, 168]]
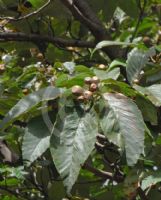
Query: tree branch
[[83, 13], [19, 36], [28, 15]]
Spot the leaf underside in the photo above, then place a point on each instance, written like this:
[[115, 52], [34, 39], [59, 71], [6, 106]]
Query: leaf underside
[[125, 120], [72, 141]]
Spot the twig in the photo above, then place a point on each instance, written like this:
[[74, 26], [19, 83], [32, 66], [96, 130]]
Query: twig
[[98, 172], [14, 193], [28, 15], [142, 8], [141, 193], [103, 174]]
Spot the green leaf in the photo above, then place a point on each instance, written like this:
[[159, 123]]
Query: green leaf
[[119, 15], [129, 123], [152, 76], [83, 69], [108, 74], [136, 61], [110, 127], [152, 92], [37, 3], [151, 180], [28, 102], [35, 140], [158, 140], [103, 44], [1, 89], [107, 43], [10, 182], [116, 63], [70, 66], [72, 141], [76, 80], [61, 80], [120, 87], [149, 111]]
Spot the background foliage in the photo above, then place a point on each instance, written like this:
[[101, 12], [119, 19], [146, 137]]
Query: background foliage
[[80, 97]]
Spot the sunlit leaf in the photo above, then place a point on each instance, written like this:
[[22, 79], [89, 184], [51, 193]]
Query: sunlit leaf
[[28, 102], [35, 140], [107, 43], [72, 141], [149, 111], [108, 74], [129, 121], [152, 92], [117, 63], [151, 180], [136, 61]]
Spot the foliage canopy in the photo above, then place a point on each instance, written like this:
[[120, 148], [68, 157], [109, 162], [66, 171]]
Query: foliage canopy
[[80, 99]]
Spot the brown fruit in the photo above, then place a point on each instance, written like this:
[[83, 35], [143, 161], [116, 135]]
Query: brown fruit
[[147, 41], [136, 81], [25, 91], [95, 79], [2, 68], [40, 56], [34, 51], [49, 70], [88, 94], [93, 87], [77, 90], [88, 80], [81, 98]]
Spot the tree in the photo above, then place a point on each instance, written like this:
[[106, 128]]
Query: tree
[[80, 99]]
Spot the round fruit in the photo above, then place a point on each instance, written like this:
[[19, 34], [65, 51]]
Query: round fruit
[[102, 66], [136, 81], [147, 41], [88, 94], [77, 90], [25, 91], [40, 56], [88, 80], [2, 68], [93, 87], [81, 98], [95, 79], [49, 70]]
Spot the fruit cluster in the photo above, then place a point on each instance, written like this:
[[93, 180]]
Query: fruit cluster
[[86, 94]]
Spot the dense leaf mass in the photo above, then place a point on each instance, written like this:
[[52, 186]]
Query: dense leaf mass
[[80, 99]]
